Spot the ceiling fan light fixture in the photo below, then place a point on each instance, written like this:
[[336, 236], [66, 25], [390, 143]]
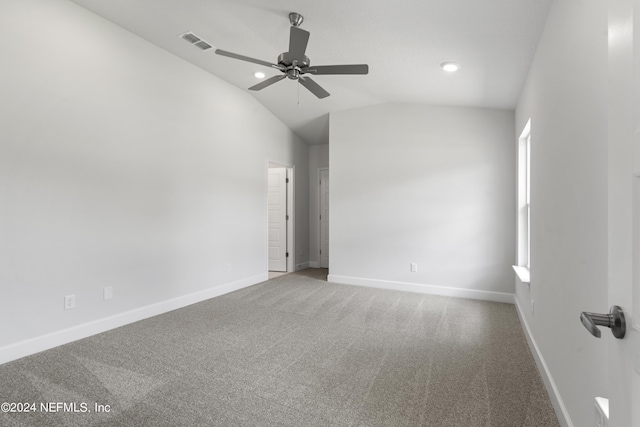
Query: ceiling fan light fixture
[[450, 67], [259, 75]]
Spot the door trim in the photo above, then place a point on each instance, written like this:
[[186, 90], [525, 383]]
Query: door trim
[[319, 228]]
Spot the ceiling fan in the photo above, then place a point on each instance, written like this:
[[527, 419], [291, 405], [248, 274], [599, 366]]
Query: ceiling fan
[[295, 64]]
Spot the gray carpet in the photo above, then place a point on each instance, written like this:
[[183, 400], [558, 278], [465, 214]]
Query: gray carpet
[[294, 351]]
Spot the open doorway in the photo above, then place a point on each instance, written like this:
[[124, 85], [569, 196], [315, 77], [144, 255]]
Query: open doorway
[[280, 247]]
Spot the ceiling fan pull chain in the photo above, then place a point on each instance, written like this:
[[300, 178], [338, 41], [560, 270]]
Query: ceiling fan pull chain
[[298, 92]]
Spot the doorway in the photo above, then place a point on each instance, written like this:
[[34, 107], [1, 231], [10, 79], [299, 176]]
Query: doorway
[[280, 220]]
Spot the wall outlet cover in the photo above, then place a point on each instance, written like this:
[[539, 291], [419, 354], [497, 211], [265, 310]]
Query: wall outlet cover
[[69, 302], [532, 308]]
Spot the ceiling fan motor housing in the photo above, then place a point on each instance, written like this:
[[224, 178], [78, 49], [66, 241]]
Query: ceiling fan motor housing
[[293, 64]]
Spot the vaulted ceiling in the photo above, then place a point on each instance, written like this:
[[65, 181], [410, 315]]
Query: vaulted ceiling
[[404, 42]]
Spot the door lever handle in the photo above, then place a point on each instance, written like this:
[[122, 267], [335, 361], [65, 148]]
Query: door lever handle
[[614, 320]]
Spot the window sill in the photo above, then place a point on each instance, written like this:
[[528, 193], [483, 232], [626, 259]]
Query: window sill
[[523, 274]]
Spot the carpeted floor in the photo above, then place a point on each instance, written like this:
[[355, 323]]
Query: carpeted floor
[[293, 351]]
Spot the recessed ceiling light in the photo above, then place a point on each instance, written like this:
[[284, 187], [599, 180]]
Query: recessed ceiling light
[[450, 66], [259, 75]]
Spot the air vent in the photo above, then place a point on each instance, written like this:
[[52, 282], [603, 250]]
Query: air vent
[[203, 45], [196, 41]]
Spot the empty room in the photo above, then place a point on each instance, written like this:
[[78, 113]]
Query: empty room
[[297, 213]]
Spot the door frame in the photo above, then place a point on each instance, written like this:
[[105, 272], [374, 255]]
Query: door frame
[[319, 228], [291, 247]]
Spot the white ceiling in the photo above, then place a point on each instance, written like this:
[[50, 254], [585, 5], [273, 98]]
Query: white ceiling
[[403, 41]]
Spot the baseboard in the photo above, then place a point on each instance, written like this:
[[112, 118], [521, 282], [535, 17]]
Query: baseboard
[[424, 289], [314, 264], [55, 339], [554, 394], [302, 266]]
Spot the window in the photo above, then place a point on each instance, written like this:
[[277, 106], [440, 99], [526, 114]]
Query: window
[[524, 204]]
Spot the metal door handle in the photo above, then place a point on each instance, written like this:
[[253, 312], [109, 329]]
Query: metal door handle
[[614, 320]]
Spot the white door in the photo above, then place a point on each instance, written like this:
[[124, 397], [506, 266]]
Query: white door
[[277, 205], [624, 210], [324, 218]]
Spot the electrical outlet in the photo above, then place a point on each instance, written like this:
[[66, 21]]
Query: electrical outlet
[[414, 267], [108, 292], [532, 309], [69, 302]]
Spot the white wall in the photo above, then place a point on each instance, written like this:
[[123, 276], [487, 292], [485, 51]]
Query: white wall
[[424, 184], [318, 159], [565, 97], [122, 165]]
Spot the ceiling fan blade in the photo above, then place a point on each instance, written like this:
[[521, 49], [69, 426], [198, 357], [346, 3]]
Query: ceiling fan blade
[[298, 39], [337, 69], [313, 87], [267, 82], [246, 58]]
